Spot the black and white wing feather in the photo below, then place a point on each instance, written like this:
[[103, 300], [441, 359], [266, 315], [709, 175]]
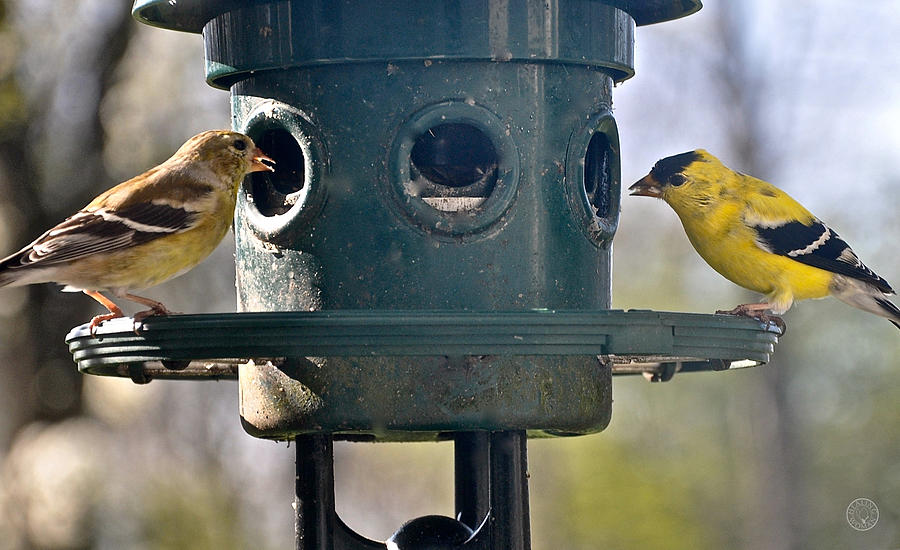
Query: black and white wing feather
[[91, 232], [816, 245]]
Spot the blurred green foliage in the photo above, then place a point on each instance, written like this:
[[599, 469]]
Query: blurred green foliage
[[194, 512], [612, 496]]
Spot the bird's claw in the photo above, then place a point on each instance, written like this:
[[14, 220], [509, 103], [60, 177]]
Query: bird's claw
[[138, 319], [770, 320], [97, 320], [763, 317]]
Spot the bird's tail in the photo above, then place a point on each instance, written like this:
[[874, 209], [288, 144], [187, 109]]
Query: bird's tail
[[888, 306], [6, 279], [10, 272], [890, 310], [865, 297], [6, 276]]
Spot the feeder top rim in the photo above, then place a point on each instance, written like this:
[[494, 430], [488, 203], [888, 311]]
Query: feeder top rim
[[192, 15]]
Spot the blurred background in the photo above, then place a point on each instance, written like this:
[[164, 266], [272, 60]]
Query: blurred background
[[804, 94]]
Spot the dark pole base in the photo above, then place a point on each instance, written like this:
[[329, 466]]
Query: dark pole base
[[491, 499]]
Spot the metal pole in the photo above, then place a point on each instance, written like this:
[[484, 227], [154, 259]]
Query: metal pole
[[314, 496], [471, 457], [510, 526]]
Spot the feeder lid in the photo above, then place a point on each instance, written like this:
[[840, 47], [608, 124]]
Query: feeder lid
[[648, 12], [192, 15]]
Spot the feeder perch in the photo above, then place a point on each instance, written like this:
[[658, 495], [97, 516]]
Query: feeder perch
[[431, 257]]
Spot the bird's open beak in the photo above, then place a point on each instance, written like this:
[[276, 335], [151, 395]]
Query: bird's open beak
[[259, 162], [646, 187]]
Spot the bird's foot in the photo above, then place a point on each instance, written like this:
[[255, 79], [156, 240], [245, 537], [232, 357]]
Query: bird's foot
[[98, 319], [155, 310], [775, 320], [756, 311]]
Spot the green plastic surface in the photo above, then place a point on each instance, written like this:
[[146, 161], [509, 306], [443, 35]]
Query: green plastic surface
[[417, 374], [276, 36], [192, 15], [420, 333], [345, 103]]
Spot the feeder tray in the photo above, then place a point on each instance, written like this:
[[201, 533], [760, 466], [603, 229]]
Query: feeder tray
[[415, 375], [215, 344]]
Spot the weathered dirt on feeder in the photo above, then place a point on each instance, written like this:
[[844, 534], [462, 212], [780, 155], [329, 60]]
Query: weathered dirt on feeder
[[416, 398]]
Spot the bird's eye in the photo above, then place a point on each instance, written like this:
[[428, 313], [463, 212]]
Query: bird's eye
[[240, 144], [677, 179]]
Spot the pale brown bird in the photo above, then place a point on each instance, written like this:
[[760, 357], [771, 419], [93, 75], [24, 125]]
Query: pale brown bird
[[146, 230]]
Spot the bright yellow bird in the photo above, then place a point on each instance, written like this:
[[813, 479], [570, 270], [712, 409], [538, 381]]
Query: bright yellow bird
[[758, 237], [146, 230]]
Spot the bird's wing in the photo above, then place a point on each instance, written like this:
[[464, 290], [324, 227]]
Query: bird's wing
[[103, 230], [784, 227]]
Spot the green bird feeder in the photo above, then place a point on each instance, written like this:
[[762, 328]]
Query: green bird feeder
[[431, 257]]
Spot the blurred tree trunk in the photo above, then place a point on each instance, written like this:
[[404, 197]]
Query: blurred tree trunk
[[51, 164]]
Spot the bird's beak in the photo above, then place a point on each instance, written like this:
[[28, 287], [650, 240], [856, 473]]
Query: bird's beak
[[646, 187], [258, 164]]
